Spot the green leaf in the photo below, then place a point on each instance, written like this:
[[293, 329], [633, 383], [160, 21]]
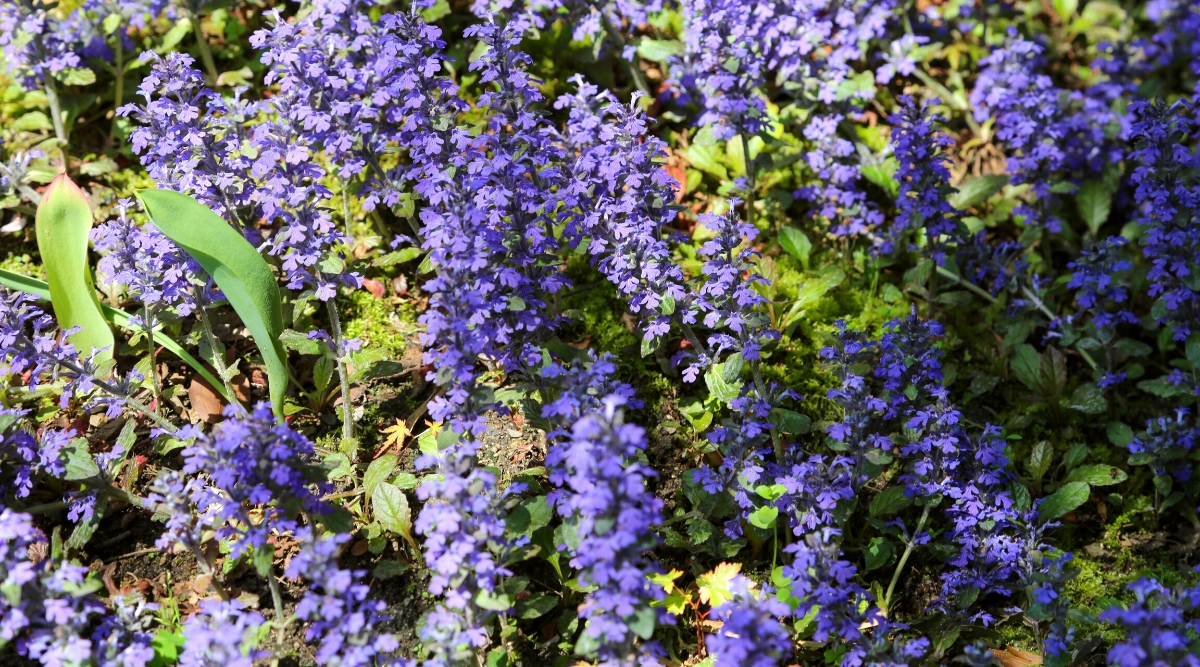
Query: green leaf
[[76, 76], [884, 175], [1088, 398], [1067, 498], [294, 340], [764, 517], [721, 390], [1074, 456], [878, 552], [796, 244], [535, 606], [1094, 202], [237, 268], [659, 50], [531, 515], [1098, 474], [166, 645], [707, 159], [378, 472], [977, 190], [63, 222], [789, 421], [1119, 434], [1039, 459], [397, 257], [889, 501], [77, 461], [1026, 365], [391, 509]]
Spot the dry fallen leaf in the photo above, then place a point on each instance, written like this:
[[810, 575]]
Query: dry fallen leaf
[[375, 287], [1012, 656], [206, 403]]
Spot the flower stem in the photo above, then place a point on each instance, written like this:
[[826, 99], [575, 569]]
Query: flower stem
[[277, 598], [750, 180], [206, 56], [909, 545], [118, 87], [56, 117], [147, 325], [335, 323], [631, 66], [218, 360]]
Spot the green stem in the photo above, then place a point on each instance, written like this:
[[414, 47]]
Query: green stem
[[909, 545], [1028, 294], [346, 209], [277, 598], [118, 87], [56, 117], [335, 323], [750, 178], [967, 285], [632, 66], [150, 354], [218, 358], [206, 55]]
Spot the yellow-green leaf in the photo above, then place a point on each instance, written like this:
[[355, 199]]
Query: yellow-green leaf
[[63, 222], [242, 274]]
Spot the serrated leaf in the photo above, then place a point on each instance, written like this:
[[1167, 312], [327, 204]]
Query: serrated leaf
[[706, 158], [878, 552], [76, 76], [77, 461], [1119, 434], [789, 421], [659, 50], [1039, 460], [1066, 499], [243, 275], [294, 340], [378, 473], [884, 175], [977, 190], [714, 585], [536, 606], [889, 501], [529, 516], [1098, 474], [391, 509], [721, 390], [397, 257], [796, 244], [1094, 200], [64, 220], [1088, 398]]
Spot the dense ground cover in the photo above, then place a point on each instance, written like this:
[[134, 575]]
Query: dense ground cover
[[715, 333]]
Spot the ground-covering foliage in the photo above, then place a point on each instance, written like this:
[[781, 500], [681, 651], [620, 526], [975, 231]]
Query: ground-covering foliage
[[604, 332]]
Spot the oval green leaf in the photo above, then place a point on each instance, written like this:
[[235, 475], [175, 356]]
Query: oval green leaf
[[1067, 498], [63, 222], [242, 274]]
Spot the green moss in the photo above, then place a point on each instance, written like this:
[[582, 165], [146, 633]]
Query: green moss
[[379, 323]]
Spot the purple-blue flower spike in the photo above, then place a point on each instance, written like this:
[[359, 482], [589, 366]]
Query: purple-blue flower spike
[[752, 634], [1159, 625], [923, 200], [601, 488]]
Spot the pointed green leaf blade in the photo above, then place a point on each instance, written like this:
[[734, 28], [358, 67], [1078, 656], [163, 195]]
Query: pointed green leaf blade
[[63, 222], [242, 274]]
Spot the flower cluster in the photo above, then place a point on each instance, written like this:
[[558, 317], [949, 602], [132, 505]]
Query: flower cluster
[[221, 634], [1050, 603], [751, 634], [843, 609], [251, 459], [35, 43], [1166, 445], [192, 140], [1168, 194], [29, 344], [151, 267], [623, 197], [336, 605], [601, 488], [49, 610], [727, 68], [858, 432], [1158, 629], [924, 179]]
